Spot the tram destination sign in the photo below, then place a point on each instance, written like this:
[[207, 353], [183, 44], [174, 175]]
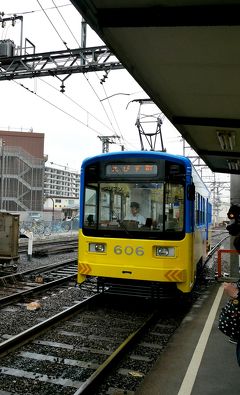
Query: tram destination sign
[[131, 169]]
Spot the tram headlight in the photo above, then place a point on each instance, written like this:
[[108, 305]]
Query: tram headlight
[[97, 247], [165, 251]]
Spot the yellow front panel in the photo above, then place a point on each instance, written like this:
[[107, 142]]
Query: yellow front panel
[[136, 259]]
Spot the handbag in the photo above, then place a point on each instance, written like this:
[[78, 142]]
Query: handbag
[[229, 319]]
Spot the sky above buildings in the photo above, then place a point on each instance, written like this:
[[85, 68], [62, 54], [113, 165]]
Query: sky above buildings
[[72, 122]]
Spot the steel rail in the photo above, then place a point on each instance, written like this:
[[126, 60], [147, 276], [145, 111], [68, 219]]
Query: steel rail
[[6, 300], [26, 336], [93, 380], [215, 248], [41, 269]]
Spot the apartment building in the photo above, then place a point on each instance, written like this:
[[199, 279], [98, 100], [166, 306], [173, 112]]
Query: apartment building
[[61, 191]]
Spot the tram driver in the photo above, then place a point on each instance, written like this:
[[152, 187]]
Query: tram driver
[[134, 215]]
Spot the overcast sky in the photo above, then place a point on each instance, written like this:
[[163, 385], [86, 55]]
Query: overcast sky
[[71, 130]]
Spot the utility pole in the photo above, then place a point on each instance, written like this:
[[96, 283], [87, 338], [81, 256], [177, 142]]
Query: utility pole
[[106, 140]]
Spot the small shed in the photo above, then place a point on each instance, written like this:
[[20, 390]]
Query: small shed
[[9, 239]]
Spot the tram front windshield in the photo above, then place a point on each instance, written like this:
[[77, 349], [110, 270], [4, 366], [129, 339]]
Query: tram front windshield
[[134, 207]]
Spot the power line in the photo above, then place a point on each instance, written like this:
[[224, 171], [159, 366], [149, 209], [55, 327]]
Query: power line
[[52, 25], [125, 141], [67, 47], [57, 107], [112, 128], [87, 79], [77, 104], [101, 103], [113, 113], [33, 11], [57, 8]]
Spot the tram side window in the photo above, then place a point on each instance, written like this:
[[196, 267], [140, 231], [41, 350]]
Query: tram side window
[[197, 209], [200, 210], [203, 211], [209, 213], [90, 207]]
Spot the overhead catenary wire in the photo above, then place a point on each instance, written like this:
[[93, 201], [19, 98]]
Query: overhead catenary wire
[[33, 11], [64, 42], [63, 111], [124, 139], [111, 109], [111, 128], [77, 104], [113, 114], [65, 22], [57, 107], [101, 103]]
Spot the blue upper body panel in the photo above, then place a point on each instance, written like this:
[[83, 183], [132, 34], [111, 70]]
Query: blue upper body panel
[[141, 155], [191, 175]]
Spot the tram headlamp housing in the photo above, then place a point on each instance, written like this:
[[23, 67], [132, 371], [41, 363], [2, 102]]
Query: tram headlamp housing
[[97, 247], [165, 251]]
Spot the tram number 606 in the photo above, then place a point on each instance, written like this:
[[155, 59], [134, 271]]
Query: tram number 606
[[128, 250]]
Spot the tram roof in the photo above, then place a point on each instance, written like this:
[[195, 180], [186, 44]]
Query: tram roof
[[185, 55], [148, 155]]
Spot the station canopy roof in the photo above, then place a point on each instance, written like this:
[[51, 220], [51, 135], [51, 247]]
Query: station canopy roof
[[186, 56]]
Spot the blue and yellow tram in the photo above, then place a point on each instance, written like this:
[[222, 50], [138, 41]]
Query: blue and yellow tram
[[164, 241]]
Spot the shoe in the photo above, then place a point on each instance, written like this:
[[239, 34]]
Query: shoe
[[233, 341]]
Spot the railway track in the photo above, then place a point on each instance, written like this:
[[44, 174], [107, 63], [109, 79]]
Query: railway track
[[72, 352], [69, 352], [220, 238], [16, 287], [219, 232], [45, 248]]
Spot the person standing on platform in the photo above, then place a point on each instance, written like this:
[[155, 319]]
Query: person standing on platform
[[232, 290]]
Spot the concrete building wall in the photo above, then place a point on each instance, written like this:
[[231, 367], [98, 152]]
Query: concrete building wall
[[33, 143]]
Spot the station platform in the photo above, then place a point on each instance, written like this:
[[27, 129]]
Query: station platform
[[199, 359]]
